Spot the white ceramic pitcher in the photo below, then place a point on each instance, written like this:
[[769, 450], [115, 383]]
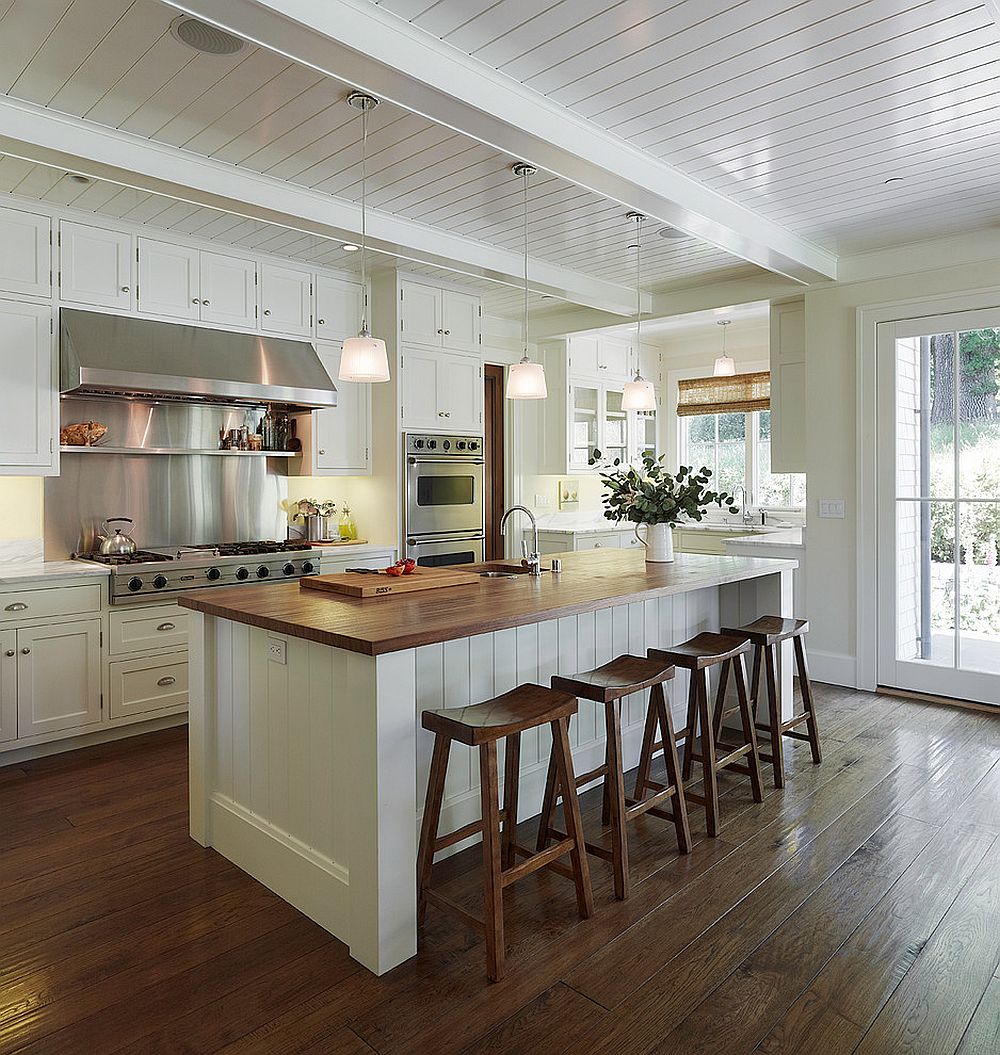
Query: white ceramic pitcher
[[659, 542]]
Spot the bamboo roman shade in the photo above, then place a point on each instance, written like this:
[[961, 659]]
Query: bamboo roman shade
[[724, 395]]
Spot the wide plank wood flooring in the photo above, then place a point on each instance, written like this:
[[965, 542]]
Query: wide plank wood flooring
[[857, 910]]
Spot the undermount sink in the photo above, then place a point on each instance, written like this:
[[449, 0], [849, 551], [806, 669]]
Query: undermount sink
[[498, 575]]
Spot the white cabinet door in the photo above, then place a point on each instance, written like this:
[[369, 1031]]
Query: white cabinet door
[[341, 432], [8, 685], [28, 392], [95, 266], [583, 357], [228, 290], [169, 280], [339, 307], [615, 359], [419, 383], [286, 300], [421, 314], [460, 393], [25, 253], [460, 321], [58, 677]]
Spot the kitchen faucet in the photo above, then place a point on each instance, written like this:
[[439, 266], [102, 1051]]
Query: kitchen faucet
[[747, 515], [531, 559]]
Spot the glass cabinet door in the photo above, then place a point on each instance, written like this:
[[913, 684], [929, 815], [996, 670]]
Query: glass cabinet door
[[615, 426], [584, 416], [646, 433]]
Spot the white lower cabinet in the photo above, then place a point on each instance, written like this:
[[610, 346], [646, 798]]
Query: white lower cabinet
[[8, 685], [141, 629], [148, 683], [58, 676]]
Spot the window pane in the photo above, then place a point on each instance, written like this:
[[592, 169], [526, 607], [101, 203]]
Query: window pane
[[925, 582], [780, 490], [979, 414], [730, 471]]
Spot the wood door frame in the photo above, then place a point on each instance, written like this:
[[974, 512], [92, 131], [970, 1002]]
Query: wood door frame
[[494, 445]]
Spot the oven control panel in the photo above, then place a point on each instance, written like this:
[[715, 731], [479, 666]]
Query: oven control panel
[[439, 446]]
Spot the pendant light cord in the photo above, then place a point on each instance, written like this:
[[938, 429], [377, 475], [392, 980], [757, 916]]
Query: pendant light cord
[[364, 220], [524, 327], [638, 294]]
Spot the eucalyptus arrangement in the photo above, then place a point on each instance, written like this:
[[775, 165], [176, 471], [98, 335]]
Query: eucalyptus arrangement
[[658, 499]]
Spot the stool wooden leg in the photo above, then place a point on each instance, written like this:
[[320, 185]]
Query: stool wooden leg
[[431, 818], [548, 805], [758, 653], [774, 711], [492, 880], [805, 685], [571, 810], [692, 723], [658, 706], [511, 782], [606, 788], [707, 742], [615, 782], [646, 753], [749, 733], [720, 701]]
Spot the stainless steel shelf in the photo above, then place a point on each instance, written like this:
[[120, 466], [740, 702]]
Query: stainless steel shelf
[[178, 450]]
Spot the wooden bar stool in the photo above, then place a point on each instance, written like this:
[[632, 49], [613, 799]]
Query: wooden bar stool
[[482, 725], [699, 655], [608, 684], [766, 634]]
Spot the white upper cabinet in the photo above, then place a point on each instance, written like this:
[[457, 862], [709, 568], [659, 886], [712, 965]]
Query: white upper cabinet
[[788, 387], [169, 280], [286, 300], [442, 391], [440, 318], [28, 392], [228, 290], [583, 357], [460, 320], [615, 357], [342, 432], [25, 253], [339, 307], [95, 266], [600, 358]]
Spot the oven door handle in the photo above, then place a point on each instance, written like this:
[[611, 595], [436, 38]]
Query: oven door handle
[[445, 461]]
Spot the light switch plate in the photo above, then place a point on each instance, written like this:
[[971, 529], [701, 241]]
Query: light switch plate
[[276, 650], [541, 501], [832, 508]]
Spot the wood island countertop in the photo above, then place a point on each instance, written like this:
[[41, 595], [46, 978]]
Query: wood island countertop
[[590, 580]]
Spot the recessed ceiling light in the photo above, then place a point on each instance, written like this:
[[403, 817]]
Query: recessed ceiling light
[[893, 179], [77, 177], [672, 233], [350, 247], [204, 37]]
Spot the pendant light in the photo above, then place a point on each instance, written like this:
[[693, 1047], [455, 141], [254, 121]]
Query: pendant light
[[363, 357], [638, 393], [725, 365], [525, 380]]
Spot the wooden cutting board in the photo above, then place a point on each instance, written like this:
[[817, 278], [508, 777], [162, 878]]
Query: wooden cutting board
[[354, 584]]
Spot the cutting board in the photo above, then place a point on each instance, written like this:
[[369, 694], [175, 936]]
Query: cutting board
[[354, 584]]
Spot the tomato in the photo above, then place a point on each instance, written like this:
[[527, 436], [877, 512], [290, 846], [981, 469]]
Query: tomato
[[409, 565], [394, 569]]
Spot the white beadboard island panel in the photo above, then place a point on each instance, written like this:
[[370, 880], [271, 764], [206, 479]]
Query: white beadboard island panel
[[310, 773]]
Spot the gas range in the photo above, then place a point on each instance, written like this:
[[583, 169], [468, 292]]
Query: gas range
[[167, 571]]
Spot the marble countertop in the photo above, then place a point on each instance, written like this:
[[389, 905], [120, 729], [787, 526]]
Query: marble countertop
[[584, 525], [23, 573], [785, 537]]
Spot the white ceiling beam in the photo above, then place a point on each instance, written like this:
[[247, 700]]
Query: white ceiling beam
[[367, 47], [50, 138]]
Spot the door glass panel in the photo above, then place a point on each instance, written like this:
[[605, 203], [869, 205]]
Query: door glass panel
[[584, 429], [925, 582], [615, 426], [979, 587]]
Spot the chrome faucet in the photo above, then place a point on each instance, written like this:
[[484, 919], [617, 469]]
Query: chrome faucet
[[532, 560], [747, 515]]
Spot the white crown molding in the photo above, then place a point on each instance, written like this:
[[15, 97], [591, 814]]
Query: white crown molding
[[362, 45]]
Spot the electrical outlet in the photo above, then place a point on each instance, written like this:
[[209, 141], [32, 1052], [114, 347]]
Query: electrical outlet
[[276, 650], [541, 501], [832, 508]]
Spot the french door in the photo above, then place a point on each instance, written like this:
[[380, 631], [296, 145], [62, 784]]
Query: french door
[[939, 505]]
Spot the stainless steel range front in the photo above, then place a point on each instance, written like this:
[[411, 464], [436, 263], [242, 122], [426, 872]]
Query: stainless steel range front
[[443, 509]]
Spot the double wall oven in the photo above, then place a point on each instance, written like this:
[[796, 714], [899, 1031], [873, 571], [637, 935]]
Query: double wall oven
[[443, 504]]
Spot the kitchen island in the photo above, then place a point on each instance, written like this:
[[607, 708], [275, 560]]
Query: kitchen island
[[308, 763]]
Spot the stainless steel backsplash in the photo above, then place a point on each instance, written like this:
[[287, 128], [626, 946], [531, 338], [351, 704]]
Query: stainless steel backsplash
[[174, 499]]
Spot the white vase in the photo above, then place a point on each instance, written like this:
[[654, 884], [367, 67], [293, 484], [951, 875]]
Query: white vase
[[659, 542]]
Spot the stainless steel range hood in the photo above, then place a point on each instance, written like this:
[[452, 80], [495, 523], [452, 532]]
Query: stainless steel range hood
[[125, 357]]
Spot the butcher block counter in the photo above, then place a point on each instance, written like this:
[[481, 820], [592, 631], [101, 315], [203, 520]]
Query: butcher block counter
[[308, 763]]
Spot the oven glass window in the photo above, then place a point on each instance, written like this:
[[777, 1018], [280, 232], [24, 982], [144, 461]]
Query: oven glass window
[[445, 490]]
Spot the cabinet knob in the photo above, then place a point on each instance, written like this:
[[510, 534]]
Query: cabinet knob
[[597, 545], [321, 451], [17, 606], [206, 303], [267, 311], [126, 289], [25, 651], [321, 322], [447, 333], [448, 414], [195, 300], [441, 414], [167, 680], [441, 331], [165, 626], [9, 652]]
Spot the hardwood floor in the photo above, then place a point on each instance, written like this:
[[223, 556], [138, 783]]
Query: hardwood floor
[[858, 909]]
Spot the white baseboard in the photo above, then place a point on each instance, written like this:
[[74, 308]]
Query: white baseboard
[[835, 668], [10, 756]]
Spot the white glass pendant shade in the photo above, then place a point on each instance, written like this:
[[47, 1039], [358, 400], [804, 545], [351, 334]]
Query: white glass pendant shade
[[526, 380], [363, 359], [725, 366], [639, 395]]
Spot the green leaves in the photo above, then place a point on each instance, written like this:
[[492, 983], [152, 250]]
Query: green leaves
[[652, 495]]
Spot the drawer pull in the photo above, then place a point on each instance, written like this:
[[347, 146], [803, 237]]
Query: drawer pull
[[17, 606], [166, 680], [166, 626]]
